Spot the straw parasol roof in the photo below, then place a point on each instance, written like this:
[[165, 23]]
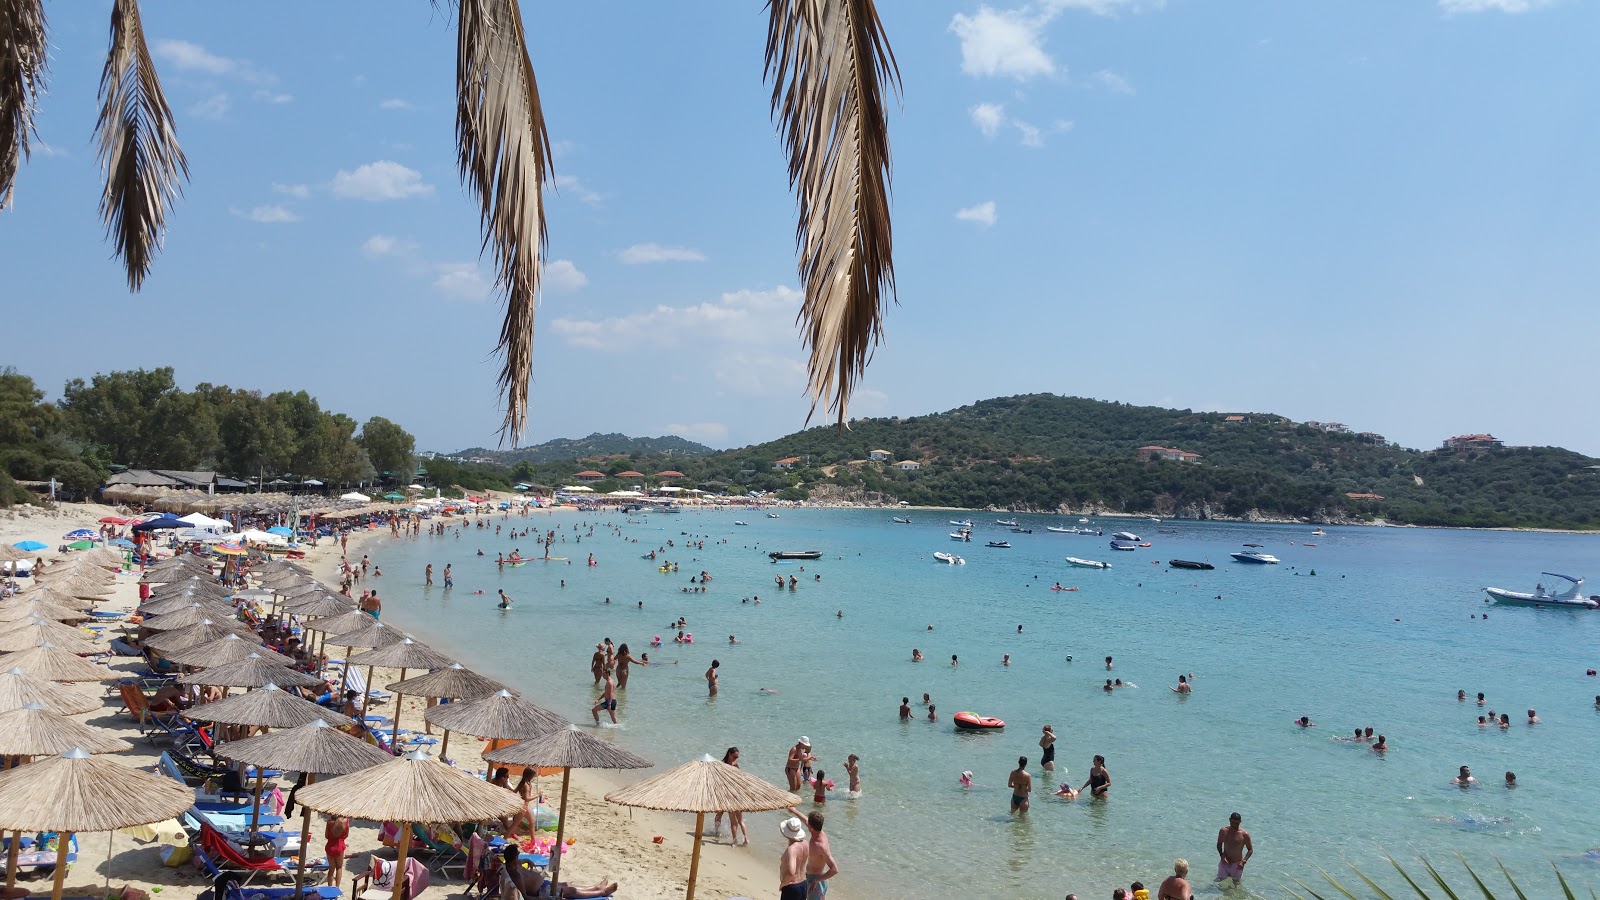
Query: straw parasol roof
[[33, 730], [251, 672], [300, 590], [104, 556], [269, 707], [340, 624], [223, 650], [77, 792], [197, 590], [373, 634], [203, 632], [314, 747], [282, 565], [9, 553], [32, 632], [405, 653], [412, 788], [704, 785], [55, 663], [567, 749], [77, 568], [319, 604], [253, 594], [453, 680], [176, 575], [79, 586], [18, 688], [500, 715], [20, 608], [182, 602], [190, 616], [48, 592]]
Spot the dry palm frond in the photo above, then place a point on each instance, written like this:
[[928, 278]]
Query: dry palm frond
[[504, 157], [828, 61], [22, 66], [138, 146]]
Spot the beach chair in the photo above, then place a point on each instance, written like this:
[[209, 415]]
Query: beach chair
[[441, 846], [226, 886], [357, 681], [136, 704], [377, 883], [223, 856], [45, 853]]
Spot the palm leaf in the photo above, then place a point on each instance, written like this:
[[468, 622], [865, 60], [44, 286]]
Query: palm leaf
[[22, 67], [1565, 888], [828, 61], [138, 146], [504, 157], [1439, 879]]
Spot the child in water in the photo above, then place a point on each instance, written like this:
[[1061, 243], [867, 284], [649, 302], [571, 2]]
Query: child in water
[[966, 779], [820, 788]]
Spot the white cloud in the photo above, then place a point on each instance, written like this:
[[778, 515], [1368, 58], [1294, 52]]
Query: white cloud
[[984, 214], [273, 96], [571, 185], [712, 433], [381, 245], [868, 402], [1031, 136], [989, 117], [381, 180], [187, 57], [1505, 6], [213, 107], [395, 103], [639, 254], [1111, 81], [298, 191], [267, 215], [562, 275], [740, 318], [461, 281], [1007, 42], [1103, 7]]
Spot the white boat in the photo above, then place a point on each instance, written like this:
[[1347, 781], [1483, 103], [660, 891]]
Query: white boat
[[772, 515], [1004, 545], [964, 523], [1083, 521], [1059, 530], [1319, 531], [1009, 523], [1255, 556], [1154, 519], [1128, 546], [950, 558], [1088, 563], [736, 522], [960, 535], [1571, 598], [901, 520], [1126, 536]]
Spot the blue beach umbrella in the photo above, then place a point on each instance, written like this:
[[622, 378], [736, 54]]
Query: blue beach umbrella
[[162, 523], [124, 544], [81, 534], [30, 545], [279, 529]]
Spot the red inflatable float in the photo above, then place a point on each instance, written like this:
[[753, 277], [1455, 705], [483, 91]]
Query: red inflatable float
[[971, 721]]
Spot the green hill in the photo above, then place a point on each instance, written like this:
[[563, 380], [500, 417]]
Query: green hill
[[594, 445], [1044, 452]]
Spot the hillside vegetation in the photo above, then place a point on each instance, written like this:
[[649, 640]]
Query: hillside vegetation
[[596, 444]]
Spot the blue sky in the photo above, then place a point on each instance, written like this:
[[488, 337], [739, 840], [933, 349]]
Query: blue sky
[[1379, 212]]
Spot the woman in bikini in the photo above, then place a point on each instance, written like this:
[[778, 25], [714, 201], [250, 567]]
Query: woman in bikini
[[338, 829]]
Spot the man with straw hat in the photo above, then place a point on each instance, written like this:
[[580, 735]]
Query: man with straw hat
[[792, 864]]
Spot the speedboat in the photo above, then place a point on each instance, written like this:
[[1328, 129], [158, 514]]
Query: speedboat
[[1255, 556], [1059, 530], [772, 515], [1009, 523], [1319, 531], [1083, 521], [964, 523], [1154, 519], [1004, 545], [795, 554], [901, 520], [960, 535], [1189, 564], [1129, 546], [1088, 563], [667, 508], [1571, 598], [1126, 536], [950, 558], [737, 522], [1022, 531], [1252, 545]]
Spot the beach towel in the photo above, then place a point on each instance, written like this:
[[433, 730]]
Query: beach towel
[[476, 847]]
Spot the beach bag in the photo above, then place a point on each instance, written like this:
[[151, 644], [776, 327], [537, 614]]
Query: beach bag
[[172, 857]]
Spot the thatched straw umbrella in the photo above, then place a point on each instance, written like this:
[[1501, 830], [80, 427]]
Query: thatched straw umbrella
[[190, 616], [202, 632], [78, 586], [33, 631], [77, 792], [364, 636], [282, 565], [9, 554], [499, 715], [179, 603], [569, 749], [18, 688], [702, 786], [19, 608], [34, 730], [412, 789], [315, 749], [253, 594], [227, 649], [55, 663], [402, 654], [319, 605], [194, 590], [47, 593], [78, 568], [251, 672], [105, 556], [269, 707], [455, 682]]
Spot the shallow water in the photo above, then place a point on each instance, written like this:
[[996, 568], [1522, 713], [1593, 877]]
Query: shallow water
[[1382, 635]]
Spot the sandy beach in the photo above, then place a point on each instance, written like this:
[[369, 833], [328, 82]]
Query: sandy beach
[[611, 842]]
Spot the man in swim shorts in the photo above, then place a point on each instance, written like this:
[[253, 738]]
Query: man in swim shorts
[[608, 698], [792, 864], [820, 864], [1234, 850], [1021, 784]]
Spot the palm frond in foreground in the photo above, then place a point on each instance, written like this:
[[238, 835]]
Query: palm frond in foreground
[[504, 154], [1420, 886], [828, 61], [22, 67], [138, 146]]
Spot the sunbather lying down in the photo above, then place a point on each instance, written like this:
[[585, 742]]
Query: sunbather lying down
[[519, 880]]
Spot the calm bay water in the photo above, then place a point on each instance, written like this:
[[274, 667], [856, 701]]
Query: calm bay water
[[1382, 635]]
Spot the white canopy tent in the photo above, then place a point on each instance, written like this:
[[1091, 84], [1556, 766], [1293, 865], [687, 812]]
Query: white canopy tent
[[203, 522], [262, 537], [357, 496], [577, 489], [625, 494]]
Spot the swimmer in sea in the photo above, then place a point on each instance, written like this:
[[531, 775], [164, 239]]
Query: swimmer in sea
[[1109, 688], [839, 614], [732, 639], [966, 779], [926, 700], [505, 601], [1108, 664], [1005, 660], [1461, 696], [1511, 779], [1505, 720], [1305, 722], [1183, 685], [1382, 746], [916, 655], [905, 709], [1464, 779], [1480, 698], [1533, 718], [1021, 784], [1483, 722], [953, 661], [933, 715], [1066, 792]]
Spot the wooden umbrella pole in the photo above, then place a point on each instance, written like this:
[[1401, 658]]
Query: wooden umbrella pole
[[344, 674], [561, 829], [11, 860], [400, 862], [694, 861], [255, 811], [399, 704], [63, 849], [305, 838], [445, 744]]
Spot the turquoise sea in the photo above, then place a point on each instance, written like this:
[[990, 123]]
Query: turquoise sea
[[1383, 634]]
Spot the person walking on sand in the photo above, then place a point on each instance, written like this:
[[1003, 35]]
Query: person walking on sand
[[427, 576], [337, 830], [711, 677], [735, 819], [794, 861], [820, 864], [1234, 850], [1021, 784], [608, 699], [1047, 744]]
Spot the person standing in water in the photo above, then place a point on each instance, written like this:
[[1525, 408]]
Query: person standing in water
[[1099, 783], [427, 576], [449, 582], [608, 699], [623, 660], [505, 601], [1047, 744], [1021, 784], [1234, 849], [711, 677]]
